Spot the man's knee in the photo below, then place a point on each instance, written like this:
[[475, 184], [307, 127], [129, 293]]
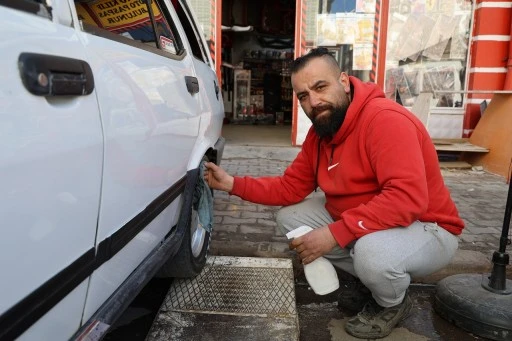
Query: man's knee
[[370, 264], [283, 218], [371, 270], [310, 212]]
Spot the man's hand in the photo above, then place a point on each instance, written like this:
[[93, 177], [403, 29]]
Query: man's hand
[[217, 178], [313, 244]]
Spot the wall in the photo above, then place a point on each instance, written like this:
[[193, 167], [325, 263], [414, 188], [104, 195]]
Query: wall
[[491, 32], [303, 125], [494, 131]]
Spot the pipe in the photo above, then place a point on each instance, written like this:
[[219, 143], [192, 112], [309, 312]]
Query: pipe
[[506, 92], [508, 78]]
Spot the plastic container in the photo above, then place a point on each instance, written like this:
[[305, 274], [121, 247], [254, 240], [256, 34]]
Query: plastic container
[[320, 274]]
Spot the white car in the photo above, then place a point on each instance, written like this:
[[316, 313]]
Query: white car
[[107, 109]]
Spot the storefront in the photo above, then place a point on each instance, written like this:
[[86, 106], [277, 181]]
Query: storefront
[[252, 45], [407, 47]]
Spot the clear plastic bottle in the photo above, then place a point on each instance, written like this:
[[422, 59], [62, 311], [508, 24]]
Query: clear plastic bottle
[[320, 273]]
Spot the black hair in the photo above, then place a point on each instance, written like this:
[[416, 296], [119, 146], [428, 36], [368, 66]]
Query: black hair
[[319, 52]]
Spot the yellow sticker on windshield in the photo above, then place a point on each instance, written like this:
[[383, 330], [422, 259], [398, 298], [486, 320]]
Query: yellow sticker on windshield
[[117, 15]]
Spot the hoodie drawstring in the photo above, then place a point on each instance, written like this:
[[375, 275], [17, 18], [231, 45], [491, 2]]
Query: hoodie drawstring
[[318, 162]]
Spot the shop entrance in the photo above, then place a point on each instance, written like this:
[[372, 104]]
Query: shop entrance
[[257, 48]]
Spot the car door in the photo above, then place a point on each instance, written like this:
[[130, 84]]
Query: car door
[[51, 156], [149, 103], [212, 106]]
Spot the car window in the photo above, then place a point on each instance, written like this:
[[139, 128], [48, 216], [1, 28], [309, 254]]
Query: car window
[[133, 22], [191, 31], [41, 8]]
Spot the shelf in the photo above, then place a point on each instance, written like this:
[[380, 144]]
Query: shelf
[[263, 60]]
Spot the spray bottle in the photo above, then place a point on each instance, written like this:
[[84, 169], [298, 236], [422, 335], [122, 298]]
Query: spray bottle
[[320, 273]]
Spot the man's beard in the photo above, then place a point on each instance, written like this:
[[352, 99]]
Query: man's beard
[[328, 125]]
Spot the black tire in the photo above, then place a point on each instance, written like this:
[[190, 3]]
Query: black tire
[[191, 257]]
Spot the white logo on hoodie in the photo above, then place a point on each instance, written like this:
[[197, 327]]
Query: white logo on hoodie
[[332, 166]]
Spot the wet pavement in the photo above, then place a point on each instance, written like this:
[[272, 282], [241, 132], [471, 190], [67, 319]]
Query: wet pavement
[[249, 230], [136, 321], [321, 319]]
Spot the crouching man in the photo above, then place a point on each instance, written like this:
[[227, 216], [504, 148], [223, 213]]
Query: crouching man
[[385, 214]]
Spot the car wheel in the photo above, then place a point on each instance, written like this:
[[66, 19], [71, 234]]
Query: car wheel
[[191, 257]]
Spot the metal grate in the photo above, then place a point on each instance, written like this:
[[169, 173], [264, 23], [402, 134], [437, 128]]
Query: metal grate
[[237, 285]]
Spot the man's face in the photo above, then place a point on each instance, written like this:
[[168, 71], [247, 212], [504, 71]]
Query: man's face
[[323, 95]]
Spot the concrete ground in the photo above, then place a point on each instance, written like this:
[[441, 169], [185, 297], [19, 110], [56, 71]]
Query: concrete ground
[[254, 135], [246, 229]]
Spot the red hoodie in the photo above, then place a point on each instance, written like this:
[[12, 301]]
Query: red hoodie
[[379, 171]]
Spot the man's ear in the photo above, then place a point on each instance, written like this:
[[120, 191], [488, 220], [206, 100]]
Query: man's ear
[[344, 80]]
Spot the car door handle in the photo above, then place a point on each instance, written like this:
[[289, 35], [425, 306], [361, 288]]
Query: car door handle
[[48, 75], [216, 89], [192, 84]]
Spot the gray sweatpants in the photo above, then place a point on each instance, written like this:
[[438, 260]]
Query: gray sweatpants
[[384, 261]]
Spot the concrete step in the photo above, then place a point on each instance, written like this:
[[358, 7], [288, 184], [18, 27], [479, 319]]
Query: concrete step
[[454, 165], [238, 298], [458, 145]]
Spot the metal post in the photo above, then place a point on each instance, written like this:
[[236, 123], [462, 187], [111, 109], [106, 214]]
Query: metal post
[[500, 259]]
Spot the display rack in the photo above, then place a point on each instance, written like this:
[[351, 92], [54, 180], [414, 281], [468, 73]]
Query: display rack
[[241, 98], [270, 91]]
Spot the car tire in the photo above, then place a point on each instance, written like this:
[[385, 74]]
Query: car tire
[[191, 257]]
